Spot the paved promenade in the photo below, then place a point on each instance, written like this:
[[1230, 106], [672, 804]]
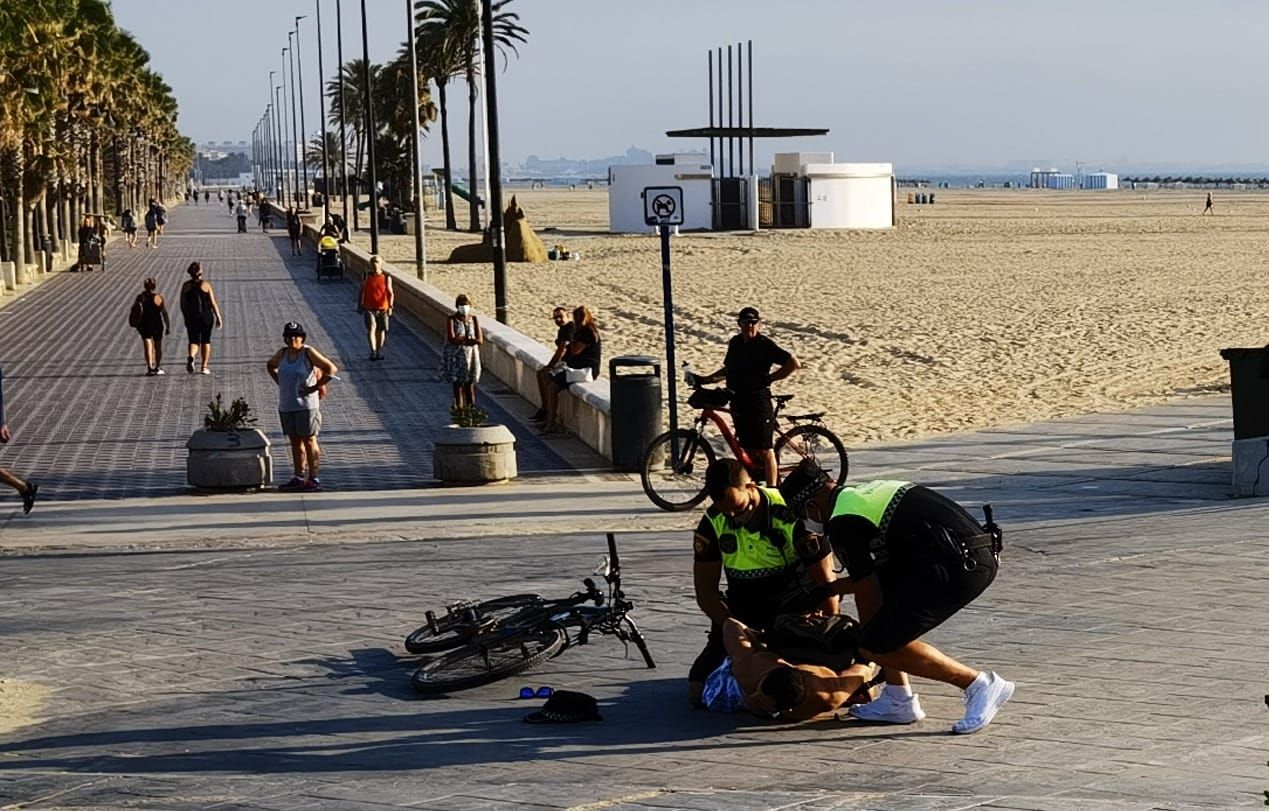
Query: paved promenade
[[90, 425], [240, 666]]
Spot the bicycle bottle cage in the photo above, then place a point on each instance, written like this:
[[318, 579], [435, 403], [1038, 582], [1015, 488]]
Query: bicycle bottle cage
[[709, 398]]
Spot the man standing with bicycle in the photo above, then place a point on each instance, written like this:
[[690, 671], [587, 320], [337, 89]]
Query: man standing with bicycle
[[747, 369], [915, 558], [749, 535]]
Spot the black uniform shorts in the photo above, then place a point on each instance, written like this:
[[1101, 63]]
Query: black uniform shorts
[[199, 331], [920, 591]]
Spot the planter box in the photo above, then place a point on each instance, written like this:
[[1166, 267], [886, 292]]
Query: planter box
[[229, 459], [474, 455]]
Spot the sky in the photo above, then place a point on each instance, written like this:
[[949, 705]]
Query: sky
[[919, 83]]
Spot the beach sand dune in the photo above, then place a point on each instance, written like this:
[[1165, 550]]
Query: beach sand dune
[[990, 307]]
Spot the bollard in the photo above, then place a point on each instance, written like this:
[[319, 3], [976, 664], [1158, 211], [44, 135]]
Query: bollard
[[9, 275]]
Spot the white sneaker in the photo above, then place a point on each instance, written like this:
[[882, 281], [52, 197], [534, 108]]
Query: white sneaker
[[982, 702], [888, 709]]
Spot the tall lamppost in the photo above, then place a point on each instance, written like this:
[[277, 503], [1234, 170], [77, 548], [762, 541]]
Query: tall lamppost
[[322, 98], [420, 251], [495, 169], [273, 166], [295, 126], [281, 117], [299, 63], [343, 110], [370, 133]]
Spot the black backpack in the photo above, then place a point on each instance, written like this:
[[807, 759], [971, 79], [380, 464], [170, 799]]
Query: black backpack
[[134, 314]]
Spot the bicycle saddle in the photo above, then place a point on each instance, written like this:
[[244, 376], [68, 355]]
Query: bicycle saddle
[[781, 399]]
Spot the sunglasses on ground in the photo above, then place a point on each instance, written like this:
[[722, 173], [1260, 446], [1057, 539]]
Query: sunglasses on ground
[[541, 692]]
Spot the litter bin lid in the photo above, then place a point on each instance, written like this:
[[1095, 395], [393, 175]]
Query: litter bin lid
[[1232, 353], [634, 360]]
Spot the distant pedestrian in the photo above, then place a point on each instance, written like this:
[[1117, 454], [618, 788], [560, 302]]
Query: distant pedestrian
[[220, 195], [1207, 209], [153, 324], [206, 197], [375, 301], [293, 230], [302, 374], [26, 488], [201, 312], [341, 225], [86, 236], [160, 216], [240, 211], [152, 225], [461, 356], [266, 216], [128, 222]]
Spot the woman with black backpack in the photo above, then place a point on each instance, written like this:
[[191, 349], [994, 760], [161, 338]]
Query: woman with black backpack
[[148, 316], [201, 313]]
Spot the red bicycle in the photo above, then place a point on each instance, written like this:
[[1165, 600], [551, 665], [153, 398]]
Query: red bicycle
[[678, 482]]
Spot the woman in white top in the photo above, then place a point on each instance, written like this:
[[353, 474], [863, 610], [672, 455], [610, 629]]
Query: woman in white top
[[301, 373]]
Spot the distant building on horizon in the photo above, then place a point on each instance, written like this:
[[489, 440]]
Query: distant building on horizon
[[1051, 179], [1101, 180]]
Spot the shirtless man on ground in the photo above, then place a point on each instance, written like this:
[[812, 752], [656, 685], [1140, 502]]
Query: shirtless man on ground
[[777, 688]]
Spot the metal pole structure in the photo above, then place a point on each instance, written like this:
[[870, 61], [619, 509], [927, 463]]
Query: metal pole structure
[[711, 111], [280, 116], [484, 120], [667, 295], [268, 109], [299, 64], [731, 142], [740, 103], [343, 111], [370, 133], [296, 146], [321, 90], [288, 188], [420, 247], [750, 62], [495, 170]]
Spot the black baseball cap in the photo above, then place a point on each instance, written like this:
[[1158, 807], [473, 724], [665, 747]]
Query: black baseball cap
[[748, 315], [293, 328], [803, 483]]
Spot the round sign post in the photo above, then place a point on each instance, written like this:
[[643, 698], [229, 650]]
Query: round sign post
[[663, 207]]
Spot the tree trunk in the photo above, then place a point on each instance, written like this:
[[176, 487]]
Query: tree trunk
[[473, 205], [450, 224], [356, 184]]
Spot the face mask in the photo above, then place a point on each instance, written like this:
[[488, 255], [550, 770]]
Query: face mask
[[464, 309]]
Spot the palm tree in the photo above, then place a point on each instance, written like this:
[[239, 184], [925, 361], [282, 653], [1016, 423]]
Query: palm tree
[[355, 96], [452, 27]]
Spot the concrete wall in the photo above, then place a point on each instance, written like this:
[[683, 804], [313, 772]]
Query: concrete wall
[[510, 356]]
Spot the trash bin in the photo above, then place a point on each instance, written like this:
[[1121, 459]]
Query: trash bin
[[1249, 390], [634, 383]]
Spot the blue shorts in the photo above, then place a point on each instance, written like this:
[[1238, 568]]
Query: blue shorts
[[722, 691]]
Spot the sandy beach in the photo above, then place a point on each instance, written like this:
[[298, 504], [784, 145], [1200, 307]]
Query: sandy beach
[[990, 307]]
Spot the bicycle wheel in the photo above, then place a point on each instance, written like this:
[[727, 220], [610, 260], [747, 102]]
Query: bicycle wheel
[[813, 442], [458, 627], [676, 485], [489, 660]]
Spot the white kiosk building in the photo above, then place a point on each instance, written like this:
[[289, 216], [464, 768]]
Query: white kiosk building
[[810, 190], [688, 171]]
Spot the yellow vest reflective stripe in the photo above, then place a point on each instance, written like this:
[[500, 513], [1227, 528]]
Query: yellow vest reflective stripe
[[874, 501], [749, 553]]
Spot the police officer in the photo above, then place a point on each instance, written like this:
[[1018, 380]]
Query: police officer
[[747, 368], [769, 558], [915, 558]]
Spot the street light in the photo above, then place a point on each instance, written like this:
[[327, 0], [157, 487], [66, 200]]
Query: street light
[[420, 249], [299, 61], [321, 90], [343, 109], [280, 116], [370, 133], [295, 127]]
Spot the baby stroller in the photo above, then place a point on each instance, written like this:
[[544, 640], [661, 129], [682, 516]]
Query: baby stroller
[[329, 265]]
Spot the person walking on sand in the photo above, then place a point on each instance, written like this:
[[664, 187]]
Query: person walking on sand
[[461, 356], [1207, 209], [301, 373], [201, 312], [154, 324], [26, 488], [374, 302]]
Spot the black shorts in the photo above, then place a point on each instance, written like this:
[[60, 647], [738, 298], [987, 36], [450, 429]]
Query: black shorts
[[754, 420], [918, 596], [199, 331], [151, 334]]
